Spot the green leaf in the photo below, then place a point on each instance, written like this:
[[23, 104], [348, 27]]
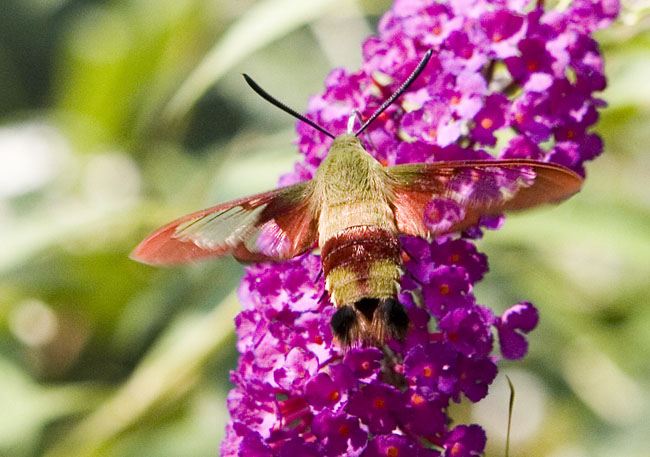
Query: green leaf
[[168, 370], [266, 22]]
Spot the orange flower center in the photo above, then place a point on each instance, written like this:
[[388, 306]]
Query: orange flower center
[[486, 123], [417, 399], [532, 65], [392, 451]]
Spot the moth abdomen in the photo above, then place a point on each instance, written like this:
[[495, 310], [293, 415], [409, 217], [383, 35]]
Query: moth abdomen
[[361, 261], [362, 266]]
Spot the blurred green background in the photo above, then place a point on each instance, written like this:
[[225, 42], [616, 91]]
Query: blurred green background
[[118, 116]]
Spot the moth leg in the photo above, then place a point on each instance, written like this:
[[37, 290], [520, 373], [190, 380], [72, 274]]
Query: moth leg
[[321, 299]]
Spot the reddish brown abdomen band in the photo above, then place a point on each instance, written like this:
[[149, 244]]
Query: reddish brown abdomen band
[[357, 247]]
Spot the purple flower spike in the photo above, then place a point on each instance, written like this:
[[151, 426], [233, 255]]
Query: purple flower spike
[[523, 81]]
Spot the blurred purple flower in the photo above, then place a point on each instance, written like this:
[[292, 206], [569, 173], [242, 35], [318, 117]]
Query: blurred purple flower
[[518, 319], [497, 76]]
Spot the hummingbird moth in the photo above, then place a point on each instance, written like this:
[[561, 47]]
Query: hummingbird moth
[[354, 209]]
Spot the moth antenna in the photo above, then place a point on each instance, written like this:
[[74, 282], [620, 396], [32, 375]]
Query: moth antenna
[[277, 103], [400, 90], [411, 258], [407, 271], [321, 299], [412, 276], [368, 137]]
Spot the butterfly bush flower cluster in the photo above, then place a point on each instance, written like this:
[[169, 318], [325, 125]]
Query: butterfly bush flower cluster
[[508, 79]]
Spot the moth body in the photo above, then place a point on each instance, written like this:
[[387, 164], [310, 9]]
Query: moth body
[[360, 250]]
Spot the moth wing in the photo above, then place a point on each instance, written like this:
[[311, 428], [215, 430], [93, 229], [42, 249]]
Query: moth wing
[[444, 197], [271, 226]]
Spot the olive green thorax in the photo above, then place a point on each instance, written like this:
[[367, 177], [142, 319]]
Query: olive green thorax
[[352, 188]]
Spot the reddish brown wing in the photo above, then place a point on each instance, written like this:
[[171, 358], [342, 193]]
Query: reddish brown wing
[[272, 226], [469, 189]]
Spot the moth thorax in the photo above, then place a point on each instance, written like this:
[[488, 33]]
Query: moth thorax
[[361, 261]]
